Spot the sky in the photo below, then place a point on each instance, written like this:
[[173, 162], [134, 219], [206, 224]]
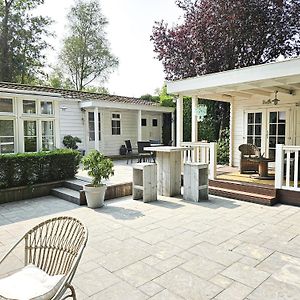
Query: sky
[[129, 29]]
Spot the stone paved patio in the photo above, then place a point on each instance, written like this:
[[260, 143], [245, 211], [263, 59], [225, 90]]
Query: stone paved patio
[[170, 249]]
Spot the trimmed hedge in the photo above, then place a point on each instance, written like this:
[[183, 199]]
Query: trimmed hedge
[[30, 168]]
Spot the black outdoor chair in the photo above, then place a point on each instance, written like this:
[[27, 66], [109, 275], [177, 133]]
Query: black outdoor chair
[[144, 155], [129, 151]]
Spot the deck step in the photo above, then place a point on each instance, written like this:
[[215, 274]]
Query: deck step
[[244, 186], [243, 195], [68, 195]]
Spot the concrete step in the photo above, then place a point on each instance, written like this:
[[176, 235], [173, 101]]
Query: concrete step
[[75, 184], [67, 194], [243, 195]]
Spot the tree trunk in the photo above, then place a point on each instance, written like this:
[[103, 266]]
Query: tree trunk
[[5, 72]]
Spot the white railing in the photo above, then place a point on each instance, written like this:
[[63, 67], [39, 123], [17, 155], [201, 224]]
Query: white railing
[[287, 168], [203, 153]]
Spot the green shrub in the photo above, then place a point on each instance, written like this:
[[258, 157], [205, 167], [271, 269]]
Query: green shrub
[[223, 147], [30, 168], [70, 141]]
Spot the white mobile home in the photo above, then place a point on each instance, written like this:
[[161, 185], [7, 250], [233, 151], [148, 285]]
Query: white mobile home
[[34, 118]]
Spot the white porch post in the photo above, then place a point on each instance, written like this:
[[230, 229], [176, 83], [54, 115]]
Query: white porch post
[[194, 119], [213, 161], [96, 127], [231, 132], [139, 125], [279, 166], [173, 128], [179, 120]]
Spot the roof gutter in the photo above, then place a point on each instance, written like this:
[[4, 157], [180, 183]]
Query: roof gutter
[[118, 105], [25, 92]]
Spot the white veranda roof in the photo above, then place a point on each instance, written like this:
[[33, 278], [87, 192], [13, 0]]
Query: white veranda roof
[[262, 80]]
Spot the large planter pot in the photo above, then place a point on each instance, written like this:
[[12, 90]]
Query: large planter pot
[[94, 195]]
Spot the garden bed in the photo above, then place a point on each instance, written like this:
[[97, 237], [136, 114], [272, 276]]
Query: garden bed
[[28, 192]]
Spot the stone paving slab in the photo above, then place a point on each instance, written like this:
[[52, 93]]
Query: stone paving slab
[[171, 249]]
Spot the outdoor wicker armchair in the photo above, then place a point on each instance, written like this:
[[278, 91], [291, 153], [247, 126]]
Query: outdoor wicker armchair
[[52, 253], [248, 152]]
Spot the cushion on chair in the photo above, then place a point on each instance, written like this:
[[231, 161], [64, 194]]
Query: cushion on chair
[[30, 283]]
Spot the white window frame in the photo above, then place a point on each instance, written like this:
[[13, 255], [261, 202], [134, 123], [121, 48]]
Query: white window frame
[[38, 148], [8, 118], [116, 119], [88, 125], [11, 113], [36, 107], [40, 145], [40, 108]]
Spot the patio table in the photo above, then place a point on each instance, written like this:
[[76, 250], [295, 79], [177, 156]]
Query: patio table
[[168, 159], [263, 168]]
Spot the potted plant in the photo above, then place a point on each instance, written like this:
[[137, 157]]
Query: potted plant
[[70, 141], [98, 168]]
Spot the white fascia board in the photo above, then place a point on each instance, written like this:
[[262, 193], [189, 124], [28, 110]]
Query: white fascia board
[[254, 74], [115, 105], [28, 92]]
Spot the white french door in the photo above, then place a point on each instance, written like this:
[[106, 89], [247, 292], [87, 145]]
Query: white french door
[[267, 127], [277, 132]]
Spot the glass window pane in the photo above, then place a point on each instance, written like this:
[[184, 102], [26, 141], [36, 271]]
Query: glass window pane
[[281, 117], [281, 129], [6, 105], [250, 118], [46, 108], [144, 122], [281, 140], [30, 144], [250, 130], [116, 116], [47, 143], [47, 128], [91, 116], [272, 142], [272, 129], [6, 128], [257, 129], [258, 142], [29, 107], [91, 136], [273, 117], [272, 153], [154, 122], [249, 140], [6, 145], [29, 128], [258, 118]]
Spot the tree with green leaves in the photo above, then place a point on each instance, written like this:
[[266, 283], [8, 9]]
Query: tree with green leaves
[[86, 54], [22, 40]]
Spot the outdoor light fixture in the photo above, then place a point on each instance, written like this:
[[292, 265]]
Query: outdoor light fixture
[[275, 101], [201, 112]]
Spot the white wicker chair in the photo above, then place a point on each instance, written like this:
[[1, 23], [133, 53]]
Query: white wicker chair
[[55, 246]]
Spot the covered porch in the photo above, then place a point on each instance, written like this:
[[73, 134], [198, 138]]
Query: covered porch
[[264, 111]]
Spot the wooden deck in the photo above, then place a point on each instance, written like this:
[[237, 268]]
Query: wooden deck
[[230, 183]]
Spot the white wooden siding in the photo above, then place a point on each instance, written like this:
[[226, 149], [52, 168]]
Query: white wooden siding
[[71, 121], [110, 144]]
